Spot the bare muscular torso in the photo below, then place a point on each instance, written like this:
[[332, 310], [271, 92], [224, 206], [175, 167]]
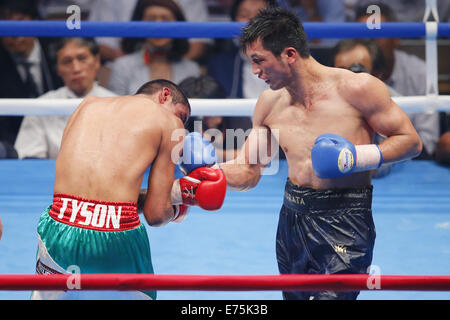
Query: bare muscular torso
[[297, 126], [107, 145]]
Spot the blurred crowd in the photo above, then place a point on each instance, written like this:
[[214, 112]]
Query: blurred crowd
[[54, 68]]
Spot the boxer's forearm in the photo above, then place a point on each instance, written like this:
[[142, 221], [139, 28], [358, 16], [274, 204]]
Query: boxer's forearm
[[168, 213], [241, 177], [243, 172], [400, 147]]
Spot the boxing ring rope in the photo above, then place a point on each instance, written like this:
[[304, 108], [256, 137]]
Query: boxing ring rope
[[201, 107], [290, 282], [223, 107], [146, 29]]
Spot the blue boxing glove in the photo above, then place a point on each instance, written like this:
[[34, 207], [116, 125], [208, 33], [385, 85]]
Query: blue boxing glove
[[334, 156], [197, 152], [204, 184]]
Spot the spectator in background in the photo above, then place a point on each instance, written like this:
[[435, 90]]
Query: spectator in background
[[153, 58], [406, 74], [122, 10], [316, 10], [232, 69], [26, 69], [78, 62], [196, 11], [57, 9], [360, 53], [412, 10], [353, 52]]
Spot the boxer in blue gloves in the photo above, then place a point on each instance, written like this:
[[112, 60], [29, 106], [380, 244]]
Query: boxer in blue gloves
[[324, 119]]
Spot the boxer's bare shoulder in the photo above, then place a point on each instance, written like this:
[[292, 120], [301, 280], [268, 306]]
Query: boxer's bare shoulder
[[362, 90], [269, 101]]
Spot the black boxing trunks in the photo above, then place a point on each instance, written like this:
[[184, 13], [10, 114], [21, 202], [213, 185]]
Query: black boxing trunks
[[325, 232]]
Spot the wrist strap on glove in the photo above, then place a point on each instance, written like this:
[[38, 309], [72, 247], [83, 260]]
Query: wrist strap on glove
[[179, 213], [368, 157]]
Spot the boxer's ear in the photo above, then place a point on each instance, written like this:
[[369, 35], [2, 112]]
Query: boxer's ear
[[291, 54], [164, 95]]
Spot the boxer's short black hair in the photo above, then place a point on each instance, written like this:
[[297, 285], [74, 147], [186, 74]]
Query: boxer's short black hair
[[152, 87], [278, 29]]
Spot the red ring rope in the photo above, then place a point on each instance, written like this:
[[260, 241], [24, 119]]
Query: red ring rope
[[127, 282]]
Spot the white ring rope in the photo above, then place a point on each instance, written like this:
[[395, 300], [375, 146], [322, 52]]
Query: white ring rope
[[203, 107]]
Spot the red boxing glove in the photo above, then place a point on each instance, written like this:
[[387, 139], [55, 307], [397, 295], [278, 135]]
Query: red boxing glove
[[205, 187], [180, 212], [211, 191]]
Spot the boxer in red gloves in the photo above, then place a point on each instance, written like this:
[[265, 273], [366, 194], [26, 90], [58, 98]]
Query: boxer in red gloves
[[107, 146]]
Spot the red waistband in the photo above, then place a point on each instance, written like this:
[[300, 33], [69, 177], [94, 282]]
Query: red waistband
[[94, 214]]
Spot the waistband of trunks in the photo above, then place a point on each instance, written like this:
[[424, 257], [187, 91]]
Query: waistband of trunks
[[94, 214], [304, 199]]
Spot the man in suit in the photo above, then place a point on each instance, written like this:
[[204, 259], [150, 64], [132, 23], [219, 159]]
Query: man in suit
[[78, 62], [26, 69]]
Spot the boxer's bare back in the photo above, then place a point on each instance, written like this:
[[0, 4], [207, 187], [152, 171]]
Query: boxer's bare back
[[109, 143]]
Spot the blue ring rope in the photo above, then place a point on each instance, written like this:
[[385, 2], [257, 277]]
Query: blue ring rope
[[444, 29], [138, 29]]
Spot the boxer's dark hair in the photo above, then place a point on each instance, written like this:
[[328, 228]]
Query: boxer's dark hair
[[278, 29], [152, 87]]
